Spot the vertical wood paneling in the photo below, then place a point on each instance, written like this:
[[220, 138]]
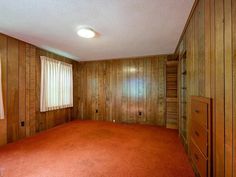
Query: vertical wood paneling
[[40, 122], [3, 58], [119, 91], [27, 88], [148, 91], [154, 91], [233, 21], [32, 93], [219, 89], [124, 110], [76, 84], [228, 89], [12, 90], [131, 92], [141, 92], [207, 38], [21, 91], [127, 90], [213, 80], [211, 73], [200, 32], [161, 104]]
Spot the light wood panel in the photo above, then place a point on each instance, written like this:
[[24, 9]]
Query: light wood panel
[[123, 90], [210, 46], [12, 90], [233, 11], [21, 91]]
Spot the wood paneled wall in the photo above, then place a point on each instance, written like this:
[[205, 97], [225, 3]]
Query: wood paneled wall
[[210, 40], [21, 91], [123, 90]]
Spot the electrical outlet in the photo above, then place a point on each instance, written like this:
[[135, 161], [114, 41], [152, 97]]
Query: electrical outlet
[[140, 113], [96, 111]]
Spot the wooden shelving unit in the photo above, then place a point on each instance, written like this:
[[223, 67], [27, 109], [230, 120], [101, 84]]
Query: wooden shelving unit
[[183, 98], [172, 93]]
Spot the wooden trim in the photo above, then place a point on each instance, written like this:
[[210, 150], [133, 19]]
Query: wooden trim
[[186, 25]]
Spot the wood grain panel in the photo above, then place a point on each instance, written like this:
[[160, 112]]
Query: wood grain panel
[[210, 36], [27, 88], [234, 84], [219, 89], [12, 90], [32, 89], [228, 88], [3, 58], [124, 90], [21, 91]]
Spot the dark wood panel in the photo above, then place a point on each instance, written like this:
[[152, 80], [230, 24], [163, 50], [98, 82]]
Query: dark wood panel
[[3, 57], [219, 90], [210, 46], [12, 90], [21, 91], [123, 90], [27, 96], [32, 89]]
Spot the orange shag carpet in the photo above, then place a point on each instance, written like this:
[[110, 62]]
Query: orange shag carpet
[[97, 149]]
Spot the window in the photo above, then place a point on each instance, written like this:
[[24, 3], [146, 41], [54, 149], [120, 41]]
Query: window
[[56, 84]]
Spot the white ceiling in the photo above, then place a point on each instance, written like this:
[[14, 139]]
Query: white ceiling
[[127, 28]]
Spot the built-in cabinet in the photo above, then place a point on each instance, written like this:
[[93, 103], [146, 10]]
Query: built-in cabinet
[[172, 93], [211, 67], [200, 146]]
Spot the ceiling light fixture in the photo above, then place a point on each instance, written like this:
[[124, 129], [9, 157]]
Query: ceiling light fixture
[[86, 32]]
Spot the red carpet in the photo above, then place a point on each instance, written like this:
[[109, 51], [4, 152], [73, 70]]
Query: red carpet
[[97, 149]]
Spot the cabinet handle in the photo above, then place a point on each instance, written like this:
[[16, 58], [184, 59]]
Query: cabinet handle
[[197, 111]]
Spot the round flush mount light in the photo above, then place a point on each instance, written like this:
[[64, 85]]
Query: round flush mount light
[[86, 32]]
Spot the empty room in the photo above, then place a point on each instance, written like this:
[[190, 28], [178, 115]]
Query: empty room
[[118, 88]]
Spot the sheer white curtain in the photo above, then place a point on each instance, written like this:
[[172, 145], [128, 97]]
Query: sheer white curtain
[[1, 98], [56, 84]]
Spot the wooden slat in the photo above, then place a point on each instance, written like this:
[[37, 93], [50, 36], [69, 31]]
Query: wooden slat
[[32, 93], [3, 58], [27, 88], [228, 89], [234, 85], [12, 91], [219, 85], [22, 57]]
